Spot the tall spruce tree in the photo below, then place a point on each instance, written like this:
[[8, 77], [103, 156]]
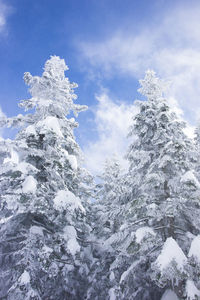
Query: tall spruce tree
[[162, 207], [44, 252]]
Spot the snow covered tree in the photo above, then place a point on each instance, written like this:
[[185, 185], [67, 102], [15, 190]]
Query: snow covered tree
[[109, 191], [44, 229], [163, 202], [106, 216]]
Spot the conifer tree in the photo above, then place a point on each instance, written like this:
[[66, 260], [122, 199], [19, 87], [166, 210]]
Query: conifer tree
[[106, 216], [162, 206], [109, 191], [44, 229]]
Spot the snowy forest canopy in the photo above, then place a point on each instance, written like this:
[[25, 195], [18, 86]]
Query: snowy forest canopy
[[133, 235]]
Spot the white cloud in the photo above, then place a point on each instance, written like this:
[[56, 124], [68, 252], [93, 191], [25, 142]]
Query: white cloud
[[171, 48], [112, 121], [5, 10]]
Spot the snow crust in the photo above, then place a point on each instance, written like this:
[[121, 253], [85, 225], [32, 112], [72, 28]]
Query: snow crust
[[25, 277], [169, 295], [142, 232], [191, 291], [195, 248], [50, 123], [29, 185], [67, 200], [70, 236], [171, 252]]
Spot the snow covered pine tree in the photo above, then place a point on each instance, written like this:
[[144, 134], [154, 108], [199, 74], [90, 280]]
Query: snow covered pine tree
[[161, 213], [108, 194], [43, 249], [106, 215]]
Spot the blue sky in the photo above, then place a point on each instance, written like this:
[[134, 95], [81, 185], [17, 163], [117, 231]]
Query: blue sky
[[107, 45]]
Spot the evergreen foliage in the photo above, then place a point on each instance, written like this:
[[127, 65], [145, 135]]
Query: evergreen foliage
[[159, 208], [44, 229], [138, 239], [106, 221]]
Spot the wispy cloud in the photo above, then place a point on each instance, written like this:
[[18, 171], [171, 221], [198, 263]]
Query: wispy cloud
[[171, 48], [112, 121], [5, 11]]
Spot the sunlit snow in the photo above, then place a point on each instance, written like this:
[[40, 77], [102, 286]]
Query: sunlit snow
[[171, 252], [50, 123], [30, 130], [67, 200]]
